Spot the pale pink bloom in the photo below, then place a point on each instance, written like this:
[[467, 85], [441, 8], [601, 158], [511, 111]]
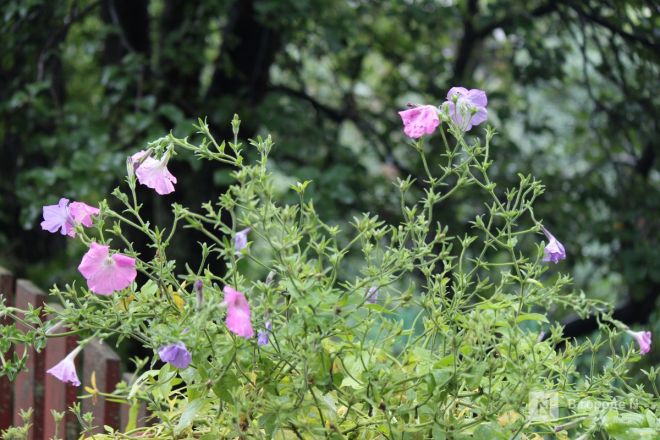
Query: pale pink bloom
[[419, 121], [58, 217], [82, 213], [643, 339], [238, 313], [106, 273], [65, 370], [153, 173]]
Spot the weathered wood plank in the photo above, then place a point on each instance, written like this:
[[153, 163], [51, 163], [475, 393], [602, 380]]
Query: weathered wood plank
[[6, 395], [29, 385], [99, 358]]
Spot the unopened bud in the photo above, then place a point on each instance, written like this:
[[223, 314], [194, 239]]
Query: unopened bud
[[199, 286], [270, 277]]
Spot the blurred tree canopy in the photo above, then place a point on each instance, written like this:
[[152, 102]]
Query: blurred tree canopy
[[572, 89]]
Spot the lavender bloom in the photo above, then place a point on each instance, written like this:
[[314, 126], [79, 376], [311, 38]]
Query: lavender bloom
[[262, 337], [554, 251], [643, 339], [467, 108], [65, 370], [175, 354], [241, 240], [372, 295]]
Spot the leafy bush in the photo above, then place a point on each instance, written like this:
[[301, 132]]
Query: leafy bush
[[399, 331]]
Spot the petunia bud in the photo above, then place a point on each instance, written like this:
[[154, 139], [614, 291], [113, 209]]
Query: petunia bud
[[241, 240], [199, 287], [372, 295]]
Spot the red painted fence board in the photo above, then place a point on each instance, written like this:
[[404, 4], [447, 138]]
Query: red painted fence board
[[99, 358], [6, 395], [29, 385]]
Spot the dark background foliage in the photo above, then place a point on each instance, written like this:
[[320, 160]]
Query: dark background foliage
[[571, 85]]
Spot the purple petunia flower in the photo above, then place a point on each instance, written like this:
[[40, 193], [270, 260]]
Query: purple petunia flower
[[176, 354], [554, 251], [58, 217], [65, 370], [262, 337], [643, 339], [467, 108], [419, 121], [65, 216], [241, 240]]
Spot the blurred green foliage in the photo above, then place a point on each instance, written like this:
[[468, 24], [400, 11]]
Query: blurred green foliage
[[572, 89]]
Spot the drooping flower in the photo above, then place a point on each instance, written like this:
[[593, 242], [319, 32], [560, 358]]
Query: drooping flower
[[58, 217], [467, 108], [65, 370], [238, 313], [106, 273], [176, 354], [372, 295], [262, 337], [82, 213], [554, 251], [241, 240], [153, 173], [65, 216], [643, 339], [419, 121]]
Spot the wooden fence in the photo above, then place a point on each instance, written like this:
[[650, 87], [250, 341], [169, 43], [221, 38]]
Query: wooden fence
[[35, 389]]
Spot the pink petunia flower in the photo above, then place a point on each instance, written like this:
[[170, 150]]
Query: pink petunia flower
[[467, 108], [241, 240], [65, 370], [643, 339], [82, 213], [554, 251], [104, 273], [153, 173], [238, 313], [58, 217], [419, 121]]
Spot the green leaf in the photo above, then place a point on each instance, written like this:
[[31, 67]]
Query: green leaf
[[189, 414], [531, 317]]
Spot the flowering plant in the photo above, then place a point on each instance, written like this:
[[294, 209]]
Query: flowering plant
[[301, 334]]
